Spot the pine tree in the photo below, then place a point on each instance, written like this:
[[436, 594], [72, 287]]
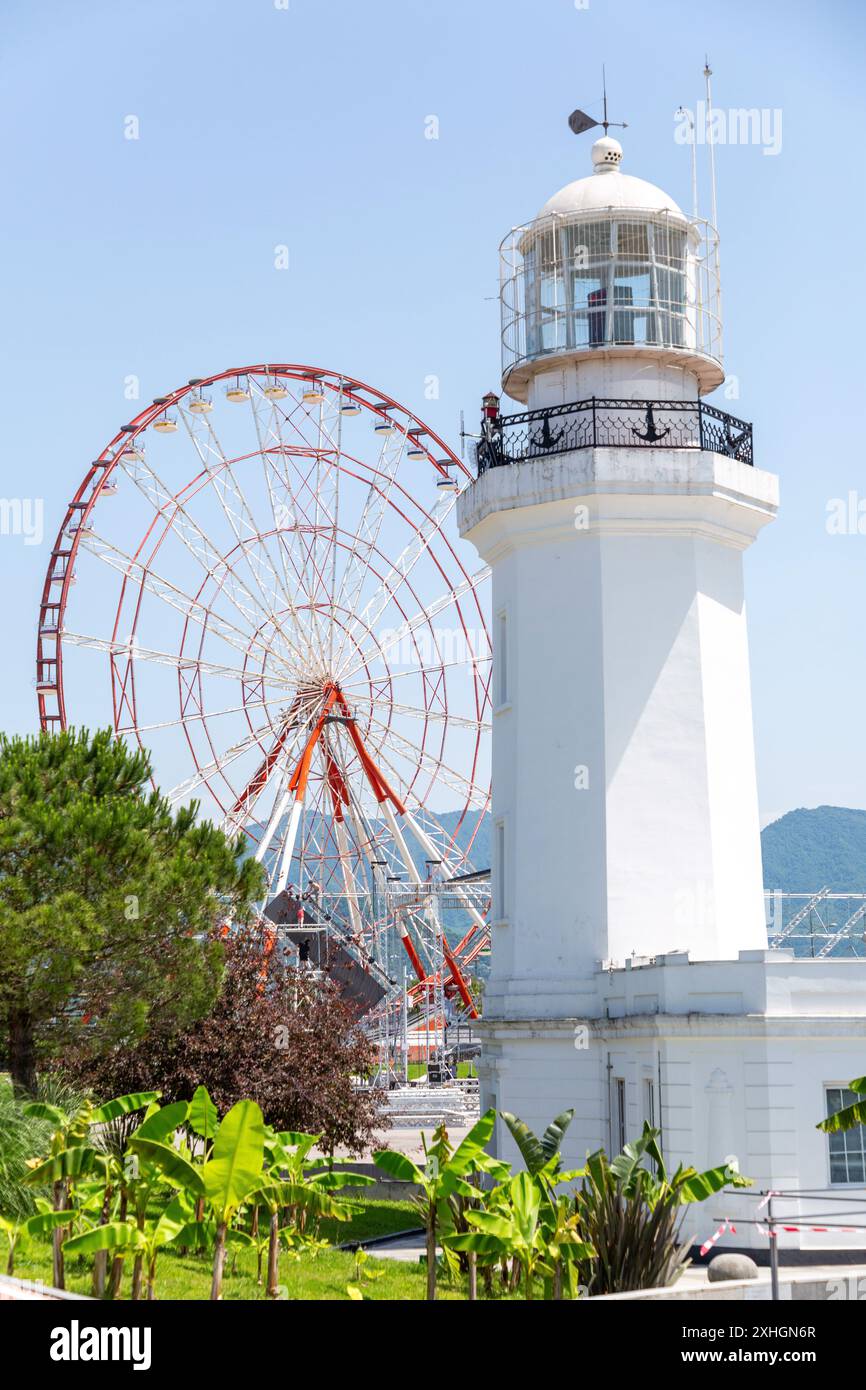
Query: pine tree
[[108, 899]]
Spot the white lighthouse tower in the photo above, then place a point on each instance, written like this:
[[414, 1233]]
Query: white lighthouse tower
[[630, 975]]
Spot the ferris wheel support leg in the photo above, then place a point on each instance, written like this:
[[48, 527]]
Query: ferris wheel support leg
[[400, 842], [289, 845], [409, 948], [457, 976], [348, 886], [276, 816]]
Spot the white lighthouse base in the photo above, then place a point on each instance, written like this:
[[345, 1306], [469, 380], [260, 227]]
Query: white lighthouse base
[[726, 1058]]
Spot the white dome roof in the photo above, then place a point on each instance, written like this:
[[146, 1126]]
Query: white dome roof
[[607, 187]]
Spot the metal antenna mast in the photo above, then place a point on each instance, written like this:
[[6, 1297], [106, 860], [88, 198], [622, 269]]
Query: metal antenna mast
[[708, 72], [683, 111]]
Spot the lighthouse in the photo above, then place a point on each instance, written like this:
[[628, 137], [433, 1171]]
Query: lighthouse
[[630, 973]]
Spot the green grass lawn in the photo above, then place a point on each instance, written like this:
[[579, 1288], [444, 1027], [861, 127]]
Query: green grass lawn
[[323, 1276], [464, 1070], [375, 1218], [320, 1277]]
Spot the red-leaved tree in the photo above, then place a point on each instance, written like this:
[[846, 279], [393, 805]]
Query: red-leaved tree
[[278, 1035]]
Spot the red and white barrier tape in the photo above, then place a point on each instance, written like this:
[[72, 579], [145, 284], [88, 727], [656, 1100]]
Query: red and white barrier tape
[[779, 1226], [713, 1240], [817, 1230]]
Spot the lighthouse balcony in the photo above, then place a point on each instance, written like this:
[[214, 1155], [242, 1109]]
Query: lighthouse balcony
[[597, 423]]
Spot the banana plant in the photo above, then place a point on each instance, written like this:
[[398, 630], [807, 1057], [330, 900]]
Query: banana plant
[[227, 1178], [543, 1159], [203, 1119], [143, 1239], [361, 1274], [232, 1172], [514, 1229], [290, 1186], [541, 1156], [44, 1221], [142, 1175], [72, 1156], [651, 1182], [445, 1175], [850, 1115], [566, 1249]]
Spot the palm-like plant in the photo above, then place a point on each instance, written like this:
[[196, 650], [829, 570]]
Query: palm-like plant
[[630, 1210], [541, 1156], [543, 1159], [230, 1172]]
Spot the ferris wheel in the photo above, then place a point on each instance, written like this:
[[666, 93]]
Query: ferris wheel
[[256, 583]]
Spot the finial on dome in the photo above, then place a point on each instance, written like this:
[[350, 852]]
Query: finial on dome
[[606, 155]]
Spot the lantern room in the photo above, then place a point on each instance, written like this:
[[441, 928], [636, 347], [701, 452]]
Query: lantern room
[[612, 290]]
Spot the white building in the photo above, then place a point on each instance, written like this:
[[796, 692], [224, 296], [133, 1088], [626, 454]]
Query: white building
[[630, 975]]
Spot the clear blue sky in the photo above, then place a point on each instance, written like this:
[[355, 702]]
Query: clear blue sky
[[305, 126]]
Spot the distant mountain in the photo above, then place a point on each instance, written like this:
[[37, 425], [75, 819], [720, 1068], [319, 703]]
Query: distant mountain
[[802, 851], [809, 849]]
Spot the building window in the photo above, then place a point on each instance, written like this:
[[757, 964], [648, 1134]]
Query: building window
[[649, 1101], [847, 1148], [500, 652], [619, 1114], [499, 903]]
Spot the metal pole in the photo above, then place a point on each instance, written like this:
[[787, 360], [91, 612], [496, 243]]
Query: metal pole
[[405, 1031], [711, 142], [774, 1251]]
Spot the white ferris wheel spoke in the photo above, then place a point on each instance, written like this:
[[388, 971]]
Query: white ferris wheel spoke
[[185, 719], [324, 490], [174, 596], [405, 563], [213, 769], [235, 509], [282, 503], [176, 516], [419, 712], [420, 619], [430, 673], [369, 526], [134, 651]]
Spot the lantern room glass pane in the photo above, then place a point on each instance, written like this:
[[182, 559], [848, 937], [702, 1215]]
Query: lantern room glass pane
[[607, 281]]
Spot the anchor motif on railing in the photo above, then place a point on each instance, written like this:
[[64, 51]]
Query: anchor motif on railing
[[547, 439], [733, 441], [652, 435]]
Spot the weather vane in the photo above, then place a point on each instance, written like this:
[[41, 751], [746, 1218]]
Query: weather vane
[[579, 121]]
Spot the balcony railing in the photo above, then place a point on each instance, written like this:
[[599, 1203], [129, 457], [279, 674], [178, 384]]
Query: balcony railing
[[611, 424]]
